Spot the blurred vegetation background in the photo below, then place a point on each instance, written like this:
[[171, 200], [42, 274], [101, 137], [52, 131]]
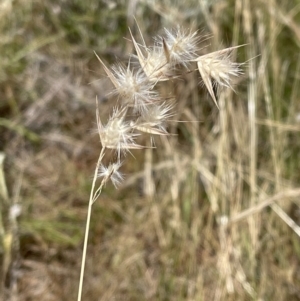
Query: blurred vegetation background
[[211, 214]]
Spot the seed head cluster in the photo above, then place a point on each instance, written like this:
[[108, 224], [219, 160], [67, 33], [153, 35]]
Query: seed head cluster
[[140, 108]]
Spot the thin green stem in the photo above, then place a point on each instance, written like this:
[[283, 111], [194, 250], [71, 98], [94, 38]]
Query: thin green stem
[[87, 227]]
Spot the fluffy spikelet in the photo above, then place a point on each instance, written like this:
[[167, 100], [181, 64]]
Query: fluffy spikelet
[[117, 133], [154, 61], [153, 120], [159, 61], [181, 45], [217, 68], [133, 87], [111, 172]]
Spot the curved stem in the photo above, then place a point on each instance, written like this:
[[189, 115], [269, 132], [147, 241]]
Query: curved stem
[[87, 227], [98, 191]]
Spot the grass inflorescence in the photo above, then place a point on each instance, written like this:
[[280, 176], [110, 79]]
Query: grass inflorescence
[[206, 205], [140, 107]]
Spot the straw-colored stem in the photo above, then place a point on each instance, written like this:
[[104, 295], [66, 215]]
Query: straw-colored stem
[[87, 227]]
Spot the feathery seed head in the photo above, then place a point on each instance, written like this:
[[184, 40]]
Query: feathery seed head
[[182, 45], [218, 67], [152, 121], [117, 133], [111, 172], [154, 61], [156, 65], [134, 87]]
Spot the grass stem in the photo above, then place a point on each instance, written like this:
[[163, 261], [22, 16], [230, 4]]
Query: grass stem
[[87, 227]]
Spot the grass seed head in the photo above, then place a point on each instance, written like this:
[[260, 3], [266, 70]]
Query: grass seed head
[[153, 120], [182, 45], [117, 133], [134, 88], [154, 61], [218, 68], [111, 172]]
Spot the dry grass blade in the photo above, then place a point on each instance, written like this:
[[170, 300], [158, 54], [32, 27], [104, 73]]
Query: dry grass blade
[[256, 209], [3, 187], [285, 217]]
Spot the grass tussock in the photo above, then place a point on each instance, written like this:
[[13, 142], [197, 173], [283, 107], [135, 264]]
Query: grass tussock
[[210, 213]]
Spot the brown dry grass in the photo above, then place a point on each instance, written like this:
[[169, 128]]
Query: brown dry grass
[[211, 214]]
